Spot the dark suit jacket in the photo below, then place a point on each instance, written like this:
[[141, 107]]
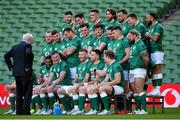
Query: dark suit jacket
[[20, 59]]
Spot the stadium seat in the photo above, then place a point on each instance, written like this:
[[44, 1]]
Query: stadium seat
[[144, 5], [104, 6], [137, 1], [96, 1], [131, 5], [82, 1], [90, 6], [54, 1], [76, 6], [41, 2], [110, 1], [4, 3]]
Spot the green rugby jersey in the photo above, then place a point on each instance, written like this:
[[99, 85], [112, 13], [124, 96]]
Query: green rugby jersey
[[78, 28], [44, 71], [114, 68], [93, 68], [156, 29], [136, 60], [82, 69], [140, 27], [60, 46], [96, 42], [73, 59], [65, 25], [86, 41], [61, 67], [47, 50], [119, 50], [125, 27], [111, 24]]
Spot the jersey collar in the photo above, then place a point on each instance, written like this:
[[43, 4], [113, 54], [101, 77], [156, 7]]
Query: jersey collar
[[137, 23], [121, 37], [112, 62]]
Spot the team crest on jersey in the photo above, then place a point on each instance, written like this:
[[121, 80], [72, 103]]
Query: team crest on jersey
[[88, 42], [58, 69], [95, 44], [80, 73], [43, 71], [92, 74], [114, 50], [47, 54]]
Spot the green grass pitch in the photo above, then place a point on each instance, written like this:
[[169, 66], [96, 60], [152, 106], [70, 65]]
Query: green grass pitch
[[170, 113]]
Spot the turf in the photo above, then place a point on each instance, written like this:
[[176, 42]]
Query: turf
[[170, 113]]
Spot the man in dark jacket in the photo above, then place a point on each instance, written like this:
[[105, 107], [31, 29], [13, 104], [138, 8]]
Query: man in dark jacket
[[19, 59]]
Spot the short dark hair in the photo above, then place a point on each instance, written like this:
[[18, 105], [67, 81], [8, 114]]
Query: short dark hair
[[67, 30], [117, 28], [56, 52], [123, 11], [80, 15], [84, 25], [132, 15], [99, 26], [68, 13], [110, 28], [153, 15], [98, 52], [109, 54], [112, 11], [95, 10], [48, 57], [55, 32], [83, 50]]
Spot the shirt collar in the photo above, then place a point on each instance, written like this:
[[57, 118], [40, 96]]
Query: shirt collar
[[137, 22], [112, 62]]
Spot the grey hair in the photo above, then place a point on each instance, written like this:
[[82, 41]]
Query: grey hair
[[27, 36]]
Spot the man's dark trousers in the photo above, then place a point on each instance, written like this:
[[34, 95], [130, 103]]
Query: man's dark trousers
[[23, 88]]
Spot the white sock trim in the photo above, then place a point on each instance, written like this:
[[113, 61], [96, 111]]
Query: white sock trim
[[11, 95], [159, 76], [61, 96], [158, 87], [94, 95], [103, 94], [34, 96], [154, 77], [89, 96], [42, 95], [76, 107], [82, 94], [75, 97], [136, 94], [142, 93], [50, 94]]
